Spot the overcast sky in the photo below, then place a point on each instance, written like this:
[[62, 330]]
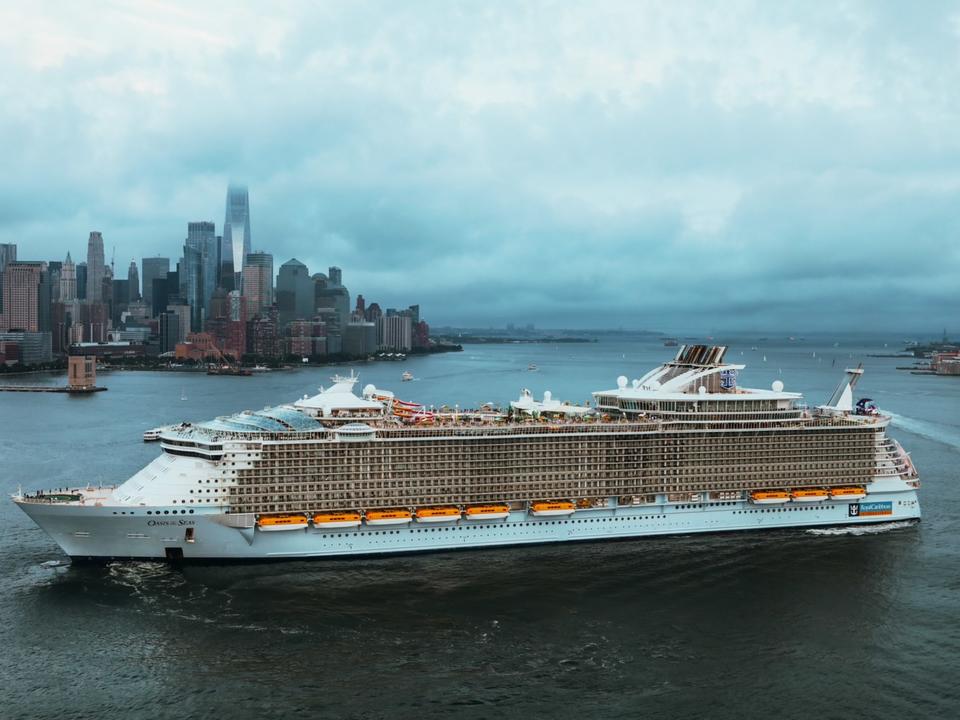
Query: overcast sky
[[665, 165]]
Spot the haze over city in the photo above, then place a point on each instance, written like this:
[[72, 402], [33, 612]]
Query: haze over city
[[662, 167]]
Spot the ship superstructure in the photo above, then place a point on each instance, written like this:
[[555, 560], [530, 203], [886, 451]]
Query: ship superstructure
[[682, 449]]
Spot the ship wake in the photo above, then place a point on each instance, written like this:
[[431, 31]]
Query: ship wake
[[863, 529], [928, 430]]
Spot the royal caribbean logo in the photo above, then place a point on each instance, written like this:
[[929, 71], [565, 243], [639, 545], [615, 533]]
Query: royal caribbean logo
[[871, 509]]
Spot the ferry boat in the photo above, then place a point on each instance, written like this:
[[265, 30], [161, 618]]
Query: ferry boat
[[682, 449], [407, 376], [152, 435]]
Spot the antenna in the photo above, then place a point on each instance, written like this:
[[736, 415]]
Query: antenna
[[113, 255]]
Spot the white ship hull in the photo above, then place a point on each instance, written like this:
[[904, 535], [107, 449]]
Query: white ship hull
[[95, 533]]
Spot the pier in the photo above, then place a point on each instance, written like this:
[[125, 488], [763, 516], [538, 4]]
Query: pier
[[81, 379], [51, 389]]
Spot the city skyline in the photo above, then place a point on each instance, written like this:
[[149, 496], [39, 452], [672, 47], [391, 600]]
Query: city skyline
[[790, 169]]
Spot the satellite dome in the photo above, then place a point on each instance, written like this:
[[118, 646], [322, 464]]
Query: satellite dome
[[622, 381], [777, 386], [702, 390], [547, 395], [369, 389]]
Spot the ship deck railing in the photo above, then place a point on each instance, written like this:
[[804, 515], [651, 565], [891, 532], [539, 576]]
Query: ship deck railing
[[68, 496]]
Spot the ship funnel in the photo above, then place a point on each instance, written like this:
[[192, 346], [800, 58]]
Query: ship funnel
[[842, 398]]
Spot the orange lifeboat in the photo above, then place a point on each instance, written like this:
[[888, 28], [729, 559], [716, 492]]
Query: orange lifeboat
[[810, 495], [769, 497], [488, 512], [387, 517], [336, 520], [273, 523], [551, 509], [437, 514], [848, 493]]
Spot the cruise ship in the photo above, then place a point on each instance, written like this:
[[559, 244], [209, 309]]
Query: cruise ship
[[683, 449]]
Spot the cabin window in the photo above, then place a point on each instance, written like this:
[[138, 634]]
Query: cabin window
[[188, 535]]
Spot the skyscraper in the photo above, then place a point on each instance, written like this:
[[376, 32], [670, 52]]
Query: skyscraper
[[23, 295], [202, 236], [258, 282], [95, 267], [295, 296], [68, 281], [8, 254], [81, 281], [54, 268], [154, 268], [236, 231], [133, 281]]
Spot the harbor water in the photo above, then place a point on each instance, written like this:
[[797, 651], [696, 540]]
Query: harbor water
[[832, 623]]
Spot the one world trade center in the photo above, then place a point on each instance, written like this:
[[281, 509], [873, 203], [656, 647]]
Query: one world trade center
[[236, 237]]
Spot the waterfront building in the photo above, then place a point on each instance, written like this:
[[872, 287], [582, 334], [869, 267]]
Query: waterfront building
[[421, 335], [227, 322], [8, 254], [263, 335], [34, 347], [235, 245], [23, 297], [154, 268], [295, 294], [307, 338], [109, 349], [258, 282], [96, 268], [395, 333], [68, 281], [133, 281], [169, 331], [359, 338]]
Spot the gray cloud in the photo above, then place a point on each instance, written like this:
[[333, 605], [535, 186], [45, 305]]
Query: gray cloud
[[632, 164]]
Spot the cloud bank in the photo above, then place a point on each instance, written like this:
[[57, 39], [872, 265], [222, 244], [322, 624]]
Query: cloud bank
[[645, 165]]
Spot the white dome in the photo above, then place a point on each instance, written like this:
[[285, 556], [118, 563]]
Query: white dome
[[622, 381], [777, 386]]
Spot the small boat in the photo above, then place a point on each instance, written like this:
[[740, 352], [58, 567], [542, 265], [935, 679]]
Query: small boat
[[437, 514], [670, 342], [488, 512], [810, 495], [531, 366], [769, 497], [259, 369], [407, 376], [152, 435], [551, 509], [387, 517], [848, 493], [336, 520], [273, 523]]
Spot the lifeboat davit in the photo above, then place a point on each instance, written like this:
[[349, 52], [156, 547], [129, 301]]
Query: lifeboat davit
[[438, 514], [810, 495], [336, 520], [769, 497], [488, 512], [387, 517], [550, 509], [848, 493], [274, 523]]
